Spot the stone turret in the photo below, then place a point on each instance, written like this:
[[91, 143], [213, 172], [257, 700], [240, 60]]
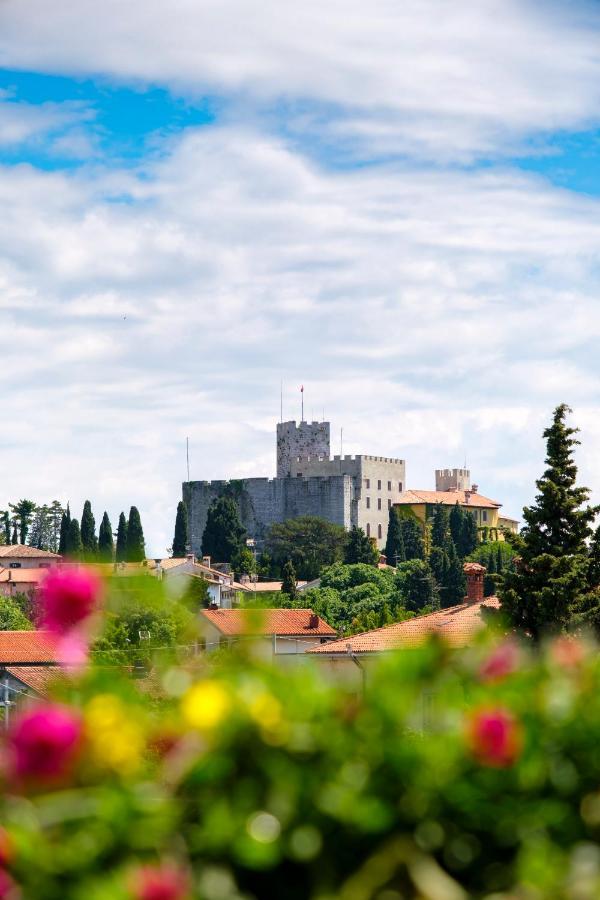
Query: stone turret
[[301, 443], [452, 480]]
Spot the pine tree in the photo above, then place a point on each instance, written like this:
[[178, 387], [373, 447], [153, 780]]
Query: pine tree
[[88, 532], [64, 531], [394, 545], [360, 549], [469, 536], [455, 584], [224, 533], [106, 545], [15, 534], [121, 551], [418, 586], [180, 538], [135, 537], [412, 538], [288, 585], [6, 525], [55, 519], [440, 532], [22, 516], [456, 525], [543, 591], [74, 546]]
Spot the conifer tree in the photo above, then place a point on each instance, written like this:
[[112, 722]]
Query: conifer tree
[[455, 585], [288, 585], [438, 561], [15, 534], [180, 538], [469, 536], [105, 540], [489, 582], [360, 549], [121, 551], [224, 533], [412, 538], [6, 525], [394, 545], [456, 525], [74, 548], [418, 586], [89, 540], [545, 587], [22, 515], [440, 532], [64, 531], [500, 563], [135, 537]]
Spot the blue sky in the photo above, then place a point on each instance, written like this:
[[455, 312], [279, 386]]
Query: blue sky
[[398, 207]]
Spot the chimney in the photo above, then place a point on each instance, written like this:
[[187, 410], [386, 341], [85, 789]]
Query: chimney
[[475, 488], [313, 621], [467, 496], [475, 574], [206, 561]]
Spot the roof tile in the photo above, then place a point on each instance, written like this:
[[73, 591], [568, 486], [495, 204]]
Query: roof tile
[[266, 621]]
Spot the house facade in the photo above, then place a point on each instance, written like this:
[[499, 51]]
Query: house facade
[[276, 634]]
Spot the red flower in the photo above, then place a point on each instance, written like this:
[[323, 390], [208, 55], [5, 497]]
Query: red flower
[[166, 881], [68, 598], [494, 737], [502, 661], [45, 742], [8, 888]]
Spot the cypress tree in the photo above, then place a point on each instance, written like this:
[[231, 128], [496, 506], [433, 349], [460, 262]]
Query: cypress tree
[[74, 546], [106, 544], [121, 551], [224, 534], [438, 561], [500, 564], [394, 545], [418, 586], [180, 538], [288, 585], [489, 582], [64, 531], [455, 584], [412, 538], [15, 534], [360, 549], [440, 533], [89, 540], [469, 536], [6, 526], [135, 537], [456, 525], [546, 585]]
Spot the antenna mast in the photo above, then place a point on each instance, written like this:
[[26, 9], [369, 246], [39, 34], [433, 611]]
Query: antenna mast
[[187, 454], [302, 395]]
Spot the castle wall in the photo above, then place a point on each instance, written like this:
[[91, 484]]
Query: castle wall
[[307, 440]]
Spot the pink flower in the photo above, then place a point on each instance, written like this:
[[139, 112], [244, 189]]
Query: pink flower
[[8, 888], [68, 598], [45, 742], [165, 881], [494, 737], [567, 652], [502, 661]]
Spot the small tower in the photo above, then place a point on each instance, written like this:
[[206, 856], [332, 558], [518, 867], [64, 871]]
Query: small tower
[[452, 480], [307, 440]]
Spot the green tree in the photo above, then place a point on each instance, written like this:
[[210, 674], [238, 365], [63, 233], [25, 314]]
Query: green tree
[[418, 587], [469, 537], [89, 540], [64, 531], [360, 549], [543, 591], [40, 530], [412, 538], [440, 530], [23, 515], [394, 545], [121, 551], [180, 538], [438, 562], [106, 546], [310, 542], [135, 551], [5, 525], [288, 585], [224, 534], [456, 525], [12, 618], [455, 584], [243, 562], [489, 581], [74, 548]]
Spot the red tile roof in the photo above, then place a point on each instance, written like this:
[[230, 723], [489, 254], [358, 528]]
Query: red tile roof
[[457, 625], [18, 647], [22, 551], [35, 677], [292, 622], [448, 498]]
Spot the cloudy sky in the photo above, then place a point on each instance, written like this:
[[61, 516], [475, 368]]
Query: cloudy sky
[[394, 203]]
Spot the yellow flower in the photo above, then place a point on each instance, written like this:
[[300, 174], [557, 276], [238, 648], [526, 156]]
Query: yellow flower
[[206, 705], [116, 739], [265, 710]]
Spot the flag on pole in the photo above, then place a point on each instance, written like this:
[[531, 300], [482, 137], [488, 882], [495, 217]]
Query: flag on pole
[[302, 389]]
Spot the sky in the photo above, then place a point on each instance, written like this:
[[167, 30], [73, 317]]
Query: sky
[[394, 204]]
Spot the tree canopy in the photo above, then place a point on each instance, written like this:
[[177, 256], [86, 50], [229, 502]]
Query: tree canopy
[[360, 548], [180, 537], [135, 550], [310, 542], [224, 534]]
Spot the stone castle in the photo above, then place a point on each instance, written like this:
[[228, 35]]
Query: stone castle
[[347, 490]]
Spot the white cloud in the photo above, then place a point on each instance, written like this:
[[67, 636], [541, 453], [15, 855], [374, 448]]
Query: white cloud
[[431, 314], [447, 80]]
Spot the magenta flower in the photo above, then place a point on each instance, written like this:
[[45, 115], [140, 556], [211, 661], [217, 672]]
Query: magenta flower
[[494, 737], [502, 661], [44, 743], [8, 888], [165, 881], [68, 598]]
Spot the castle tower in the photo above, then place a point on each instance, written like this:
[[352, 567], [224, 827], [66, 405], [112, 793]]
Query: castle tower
[[302, 442], [452, 480]]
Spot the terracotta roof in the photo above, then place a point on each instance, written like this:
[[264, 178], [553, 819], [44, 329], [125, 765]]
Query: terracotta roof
[[17, 647], [457, 625], [474, 568], [266, 621], [34, 677], [29, 576], [22, 551], [448, 498]]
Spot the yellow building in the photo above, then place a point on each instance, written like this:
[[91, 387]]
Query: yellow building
[[486, 512]]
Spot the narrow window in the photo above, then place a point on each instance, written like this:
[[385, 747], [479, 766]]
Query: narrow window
[[484, 515], [400, 486], [367, 482], [379, 503], [368, 503], [379, 532], [379, 485], [368, 530], [389, 485]]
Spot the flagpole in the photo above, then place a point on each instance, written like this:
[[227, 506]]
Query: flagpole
[[302, 395]]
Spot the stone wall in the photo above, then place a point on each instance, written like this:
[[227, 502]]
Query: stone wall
[[307, 440]]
